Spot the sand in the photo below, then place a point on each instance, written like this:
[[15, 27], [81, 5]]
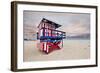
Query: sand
[[72, 50]]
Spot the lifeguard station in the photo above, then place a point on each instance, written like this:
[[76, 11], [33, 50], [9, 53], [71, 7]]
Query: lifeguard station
[[49, 37]]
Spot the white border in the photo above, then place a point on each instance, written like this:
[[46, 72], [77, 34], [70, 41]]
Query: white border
[[25, 65]]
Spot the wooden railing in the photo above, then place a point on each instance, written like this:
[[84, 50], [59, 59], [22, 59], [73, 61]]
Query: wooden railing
[[53, 32]]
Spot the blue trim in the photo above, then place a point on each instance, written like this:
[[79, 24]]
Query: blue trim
[[48, 40], [51, 37]]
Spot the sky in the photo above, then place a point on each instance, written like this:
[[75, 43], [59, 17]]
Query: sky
[[72, 23]]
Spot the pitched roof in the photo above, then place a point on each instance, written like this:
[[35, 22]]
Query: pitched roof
[[50, 22]]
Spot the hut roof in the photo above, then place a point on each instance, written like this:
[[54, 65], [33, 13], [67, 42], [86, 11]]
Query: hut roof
[[50, 22]]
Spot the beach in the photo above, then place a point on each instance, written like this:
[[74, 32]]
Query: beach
[[72, 50]]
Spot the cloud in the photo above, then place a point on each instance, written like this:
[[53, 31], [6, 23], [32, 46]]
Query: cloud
[[75, 29], [73, 24]]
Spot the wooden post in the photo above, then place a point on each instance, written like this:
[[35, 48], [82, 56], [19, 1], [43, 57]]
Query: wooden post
[[44, 30], [62, 42]]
